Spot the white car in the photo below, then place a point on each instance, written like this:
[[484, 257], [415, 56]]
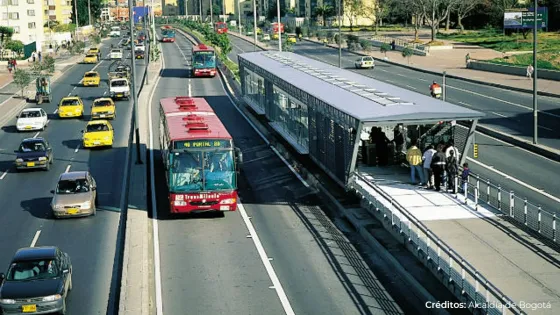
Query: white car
[[365, 62], [116, 54], [140, 47], [32, 119], [266, 37], [119, 89]]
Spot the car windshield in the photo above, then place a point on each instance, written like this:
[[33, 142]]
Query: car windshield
[[91, 75], [97, 128], [66, 187], [116, 51], [32, 147], [204, 59], [118, 83], [30, 114], [102, 103], [202, 171], [72, 102], [33, 270], [91, 56]]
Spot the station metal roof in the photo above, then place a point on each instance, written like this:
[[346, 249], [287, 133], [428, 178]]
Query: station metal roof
[[359, 96]]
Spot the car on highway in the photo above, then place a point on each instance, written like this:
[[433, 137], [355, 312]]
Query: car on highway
[[140, 46], [292, 38], [71, 106], [139, 54], [34, 153], [365, 62], [116, 54], [32, 119], [37, 282], [115, 31], [98, 133], [95, 51], [119, 88], [91, 78], [265, 37], [103, 108], [275, 36], [90, 58], [75, 195]]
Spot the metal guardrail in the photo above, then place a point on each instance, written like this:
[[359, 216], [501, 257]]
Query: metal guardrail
[[449, 267], [401, 42], [482, 192]]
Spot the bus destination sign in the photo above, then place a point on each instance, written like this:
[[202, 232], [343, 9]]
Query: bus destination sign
[[202, 144]]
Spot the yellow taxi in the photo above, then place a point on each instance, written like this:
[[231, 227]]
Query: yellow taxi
[[103, 108], [90, 58], [98, 133], [275, 36], [71, 106], [93, 51], [91, 78], [292, 38]]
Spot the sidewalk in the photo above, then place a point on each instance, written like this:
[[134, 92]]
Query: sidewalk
[[450, 60], [519, 265]]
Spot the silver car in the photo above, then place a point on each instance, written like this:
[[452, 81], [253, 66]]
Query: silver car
[[364, 62], [75, 195]]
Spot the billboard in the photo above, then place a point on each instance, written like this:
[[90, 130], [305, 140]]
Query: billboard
[[525, 19]]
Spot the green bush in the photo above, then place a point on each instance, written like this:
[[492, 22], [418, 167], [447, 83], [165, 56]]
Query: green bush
[[15, 46], [366, 44], [22, 78], [78, 47], [407, 53], [385, 48]]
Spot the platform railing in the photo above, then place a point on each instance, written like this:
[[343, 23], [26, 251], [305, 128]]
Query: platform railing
[[481, 191], [469, 285]]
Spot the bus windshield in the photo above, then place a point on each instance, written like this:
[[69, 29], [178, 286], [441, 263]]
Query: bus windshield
[[204, 59], [195, 171]]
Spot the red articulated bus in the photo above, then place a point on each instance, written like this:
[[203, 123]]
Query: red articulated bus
[[221, 27], [201, 162], [203, 61]]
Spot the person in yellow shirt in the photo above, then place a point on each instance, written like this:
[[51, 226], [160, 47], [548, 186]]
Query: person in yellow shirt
[[414, 158]]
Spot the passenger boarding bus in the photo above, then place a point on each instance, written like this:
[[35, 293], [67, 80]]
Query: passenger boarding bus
[[203, 61], [221, 27], [200, 159]]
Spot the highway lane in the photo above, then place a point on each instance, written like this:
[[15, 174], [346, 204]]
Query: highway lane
[[210, 257], [89, 241], [530, 168]]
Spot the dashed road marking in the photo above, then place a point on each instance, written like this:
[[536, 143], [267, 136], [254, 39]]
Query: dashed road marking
[[67, 168], [37, 134], [35, 238], [4, 175]]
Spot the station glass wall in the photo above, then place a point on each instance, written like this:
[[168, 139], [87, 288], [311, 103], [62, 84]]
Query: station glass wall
[[254, 88], [290, 115]]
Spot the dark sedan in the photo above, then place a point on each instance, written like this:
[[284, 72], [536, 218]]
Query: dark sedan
[[38, 281], [34, 153], [139, 54]]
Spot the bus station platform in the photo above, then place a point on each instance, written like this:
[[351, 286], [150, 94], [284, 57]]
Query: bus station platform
[[357, 129], [523, 268]]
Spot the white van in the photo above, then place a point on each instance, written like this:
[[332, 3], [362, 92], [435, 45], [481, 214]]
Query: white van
[[116, 54], [115, 31]]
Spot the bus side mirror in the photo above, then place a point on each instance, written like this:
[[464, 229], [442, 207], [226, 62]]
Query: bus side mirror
[[238, 156]]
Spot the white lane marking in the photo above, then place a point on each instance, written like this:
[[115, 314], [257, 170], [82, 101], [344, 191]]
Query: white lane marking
[[35, 238], [513, 179], [67, 168], [411, 87], [4, 175], [56, 110], [69, 93], [155, 228], [104, 93], [77, 148], [545, 128], [390, 81], [37, 134], [190, 88], [498, 114], [463, 103], [181, 51], [266, 262]]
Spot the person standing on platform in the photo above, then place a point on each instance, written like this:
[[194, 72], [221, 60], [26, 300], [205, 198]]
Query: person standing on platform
[[438, 167], [452, 171], [414, 158], [427, 157]]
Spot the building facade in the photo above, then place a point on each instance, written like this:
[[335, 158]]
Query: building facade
[[57, 10], [26, 17]]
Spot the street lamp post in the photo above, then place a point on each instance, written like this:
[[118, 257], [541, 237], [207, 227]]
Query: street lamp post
[[76, 15], [535, 101], [255, 22], [133, 85], [239, 15], [200, 10], [279, 29], [89, 11], [211, 13], [444, 90], [340, 34]]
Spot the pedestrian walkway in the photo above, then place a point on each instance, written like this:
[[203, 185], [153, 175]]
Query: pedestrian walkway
[[519, 265], [452, 61]]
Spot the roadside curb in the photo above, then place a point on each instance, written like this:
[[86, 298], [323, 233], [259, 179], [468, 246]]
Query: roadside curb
[[135, 298], [437, 73], [231, 85]]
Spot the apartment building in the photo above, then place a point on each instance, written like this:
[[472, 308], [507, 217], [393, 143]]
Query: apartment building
[[26, 18], [57, 10], [170, 7]]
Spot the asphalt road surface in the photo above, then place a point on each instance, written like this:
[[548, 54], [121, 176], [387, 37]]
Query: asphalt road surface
[[26, 196], [210, 266], [529, 168]]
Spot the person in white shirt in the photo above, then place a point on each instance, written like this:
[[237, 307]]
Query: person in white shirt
[[450, 147], [427, 158]]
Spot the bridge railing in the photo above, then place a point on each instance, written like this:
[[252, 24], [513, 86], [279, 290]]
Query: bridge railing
[[464, 281]]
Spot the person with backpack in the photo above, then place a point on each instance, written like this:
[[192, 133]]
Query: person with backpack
[[452, 169]]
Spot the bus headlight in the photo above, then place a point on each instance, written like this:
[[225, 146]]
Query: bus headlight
[[228, 201]]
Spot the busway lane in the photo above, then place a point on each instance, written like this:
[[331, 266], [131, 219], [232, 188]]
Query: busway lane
[[89, 241], [521, 165], [204, 258], [269, 191]]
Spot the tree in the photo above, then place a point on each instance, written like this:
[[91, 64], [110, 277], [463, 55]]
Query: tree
[[377, 11], [272, 13], [83, 18], [15, 46], [5, 33], [384, 48], [22, 78], [216, 10], [353, 9], [435, 12], [415, 9], [43, 68], [464, 8], [324, 12], [407, 53]]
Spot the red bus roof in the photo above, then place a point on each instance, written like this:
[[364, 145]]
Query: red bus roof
[[184, 105], [196, 127], [202, 47]]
